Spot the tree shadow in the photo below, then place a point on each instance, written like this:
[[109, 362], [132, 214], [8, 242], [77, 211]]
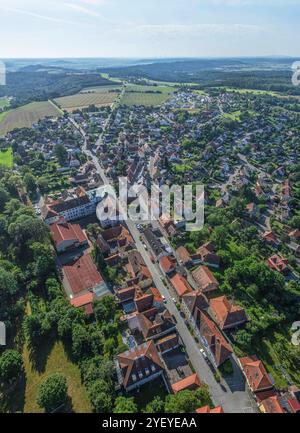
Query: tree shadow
[[14, 396], [38, 356]]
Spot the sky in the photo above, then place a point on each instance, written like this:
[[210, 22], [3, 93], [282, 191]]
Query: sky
[[148, 28]]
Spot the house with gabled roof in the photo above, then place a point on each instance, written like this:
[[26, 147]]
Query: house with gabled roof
[[138, 366], [67, 236], [212, 338], [190, 383], [205, 279], [256, 374], [226, 314]]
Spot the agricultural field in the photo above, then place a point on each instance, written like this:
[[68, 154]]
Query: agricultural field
[[26, 116], [85, 99], [101, 89], [6, 158], [138, 95]]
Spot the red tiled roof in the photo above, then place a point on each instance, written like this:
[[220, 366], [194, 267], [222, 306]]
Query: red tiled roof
[[207, 409], [85, 301], [82, 275], [272, 405], [205, 278], [191, 382], [294, 405], [167, 263], [142, 361], [218, 345], [256, 373], [227, 315], [277, 263], [181, 285], [63, 231]]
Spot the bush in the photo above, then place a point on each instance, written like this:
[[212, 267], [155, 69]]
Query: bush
[[11, 365], [52, 392]]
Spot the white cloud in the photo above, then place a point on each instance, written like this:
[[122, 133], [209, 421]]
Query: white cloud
[[190, 30]]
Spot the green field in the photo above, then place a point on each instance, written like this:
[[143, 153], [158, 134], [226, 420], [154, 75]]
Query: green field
[[137, 95], [101, 89], [26, 116], [235, 116], [85, 99], [51, 359], [4, 102], [6, 158]]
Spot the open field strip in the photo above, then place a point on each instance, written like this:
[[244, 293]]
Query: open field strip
[[84, 100], [26, 116]]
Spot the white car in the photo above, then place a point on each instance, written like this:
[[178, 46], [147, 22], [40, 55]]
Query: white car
[[203, 353], [174, 300]]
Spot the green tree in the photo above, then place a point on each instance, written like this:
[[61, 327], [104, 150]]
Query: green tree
[[4, 197], [101, 396], [30, 183], [125, 405], [157, 405], [52, 392], [61, 154], [11, 365]]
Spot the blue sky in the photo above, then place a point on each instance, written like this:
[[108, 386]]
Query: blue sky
[[149, 28]]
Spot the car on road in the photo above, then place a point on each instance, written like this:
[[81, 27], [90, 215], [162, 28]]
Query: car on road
[[164, 299], [174, 300], [203, 353]]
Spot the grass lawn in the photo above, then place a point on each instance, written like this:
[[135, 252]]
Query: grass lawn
[[235, 116], [52, 358], [4, 102], [6, 158]]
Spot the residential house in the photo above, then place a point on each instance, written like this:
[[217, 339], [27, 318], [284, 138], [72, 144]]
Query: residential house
[[212, 338], [269, 237], [168, 344], [81, 277], [85, 302], [205, 279], [207, 409], [208, 256], [193, 301], [256, 374], [154, 325], [67, 236], [181, 285], [167, 264], [190, 383], [226, 314], [278, 263], [271, 405], [139, 366]]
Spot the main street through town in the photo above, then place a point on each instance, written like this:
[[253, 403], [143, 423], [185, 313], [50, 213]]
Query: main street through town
[[232, 395]]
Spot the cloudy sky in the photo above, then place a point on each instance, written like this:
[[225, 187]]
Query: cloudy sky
[[149, 28]]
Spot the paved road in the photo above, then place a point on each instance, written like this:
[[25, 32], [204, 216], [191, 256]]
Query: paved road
[[233, 397]]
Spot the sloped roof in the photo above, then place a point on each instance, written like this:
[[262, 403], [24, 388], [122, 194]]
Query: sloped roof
[[189, 382], [256, 373], [226, 313]]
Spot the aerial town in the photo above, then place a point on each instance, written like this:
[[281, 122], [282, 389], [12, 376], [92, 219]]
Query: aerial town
[[107, 312]]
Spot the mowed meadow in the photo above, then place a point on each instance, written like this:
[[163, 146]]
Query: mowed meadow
[[98, 96], [146, 95], [26, 116]]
